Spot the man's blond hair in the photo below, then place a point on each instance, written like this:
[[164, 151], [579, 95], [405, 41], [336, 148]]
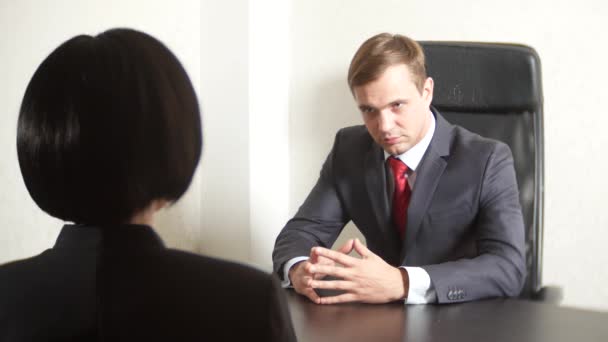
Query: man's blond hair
[[382, 51]]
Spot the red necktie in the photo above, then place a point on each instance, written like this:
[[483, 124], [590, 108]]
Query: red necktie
[[401, 196]]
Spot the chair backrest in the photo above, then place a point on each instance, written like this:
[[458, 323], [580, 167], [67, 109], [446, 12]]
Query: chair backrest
[[495, 90]]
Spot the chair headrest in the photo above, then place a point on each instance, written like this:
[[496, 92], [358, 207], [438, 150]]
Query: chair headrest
[[484, 77]]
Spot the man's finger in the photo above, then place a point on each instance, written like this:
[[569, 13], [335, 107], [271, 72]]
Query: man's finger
[[318, 276], [347, 247], [341, 298], [312, 295], [313, 258], [361, 248], [338, 257], [321, 261], [302, 288], [338, 272], [332, 284], [324, 261]]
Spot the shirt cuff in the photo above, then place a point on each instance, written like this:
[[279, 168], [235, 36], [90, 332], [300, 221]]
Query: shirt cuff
[[286, 282], [421, 289]]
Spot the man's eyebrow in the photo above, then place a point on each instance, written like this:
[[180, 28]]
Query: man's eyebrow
[[367, 106]]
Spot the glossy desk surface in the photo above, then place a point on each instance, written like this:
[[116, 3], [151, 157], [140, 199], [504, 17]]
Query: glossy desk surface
[[488, 320]]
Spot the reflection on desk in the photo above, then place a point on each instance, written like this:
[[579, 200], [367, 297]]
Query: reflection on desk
[[488, 320]]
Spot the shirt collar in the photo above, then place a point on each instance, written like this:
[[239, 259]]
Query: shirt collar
[[413, 156]]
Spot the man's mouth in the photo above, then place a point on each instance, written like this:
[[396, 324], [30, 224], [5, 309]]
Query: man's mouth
[[391, 141]]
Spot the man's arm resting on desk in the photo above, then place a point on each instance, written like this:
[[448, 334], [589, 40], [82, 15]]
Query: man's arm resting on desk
[[318, 222], [499, 268], [420, 290]]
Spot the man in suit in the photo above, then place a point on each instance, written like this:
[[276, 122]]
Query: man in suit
[[437, 204]]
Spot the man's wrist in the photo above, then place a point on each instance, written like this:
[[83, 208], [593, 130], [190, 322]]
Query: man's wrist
[[293, 269], [405, 284], [287, 266]]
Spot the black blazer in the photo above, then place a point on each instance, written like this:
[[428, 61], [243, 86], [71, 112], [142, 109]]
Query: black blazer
[[120, 283]]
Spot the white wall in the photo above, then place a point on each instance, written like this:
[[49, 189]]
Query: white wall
[[568, 37], [244, 62], [225, 104], [268, 126]]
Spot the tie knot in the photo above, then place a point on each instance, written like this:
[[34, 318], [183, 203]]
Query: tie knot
[[399, 168]]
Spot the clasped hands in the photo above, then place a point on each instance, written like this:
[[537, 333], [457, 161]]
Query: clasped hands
[[367, 279]]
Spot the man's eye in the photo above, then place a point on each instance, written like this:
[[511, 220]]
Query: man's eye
[[366, 110], [398, 104]]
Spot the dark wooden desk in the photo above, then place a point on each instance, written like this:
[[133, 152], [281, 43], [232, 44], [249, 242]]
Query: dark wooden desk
[[489, 320]]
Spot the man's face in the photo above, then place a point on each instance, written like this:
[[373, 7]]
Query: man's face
[[395, 113]]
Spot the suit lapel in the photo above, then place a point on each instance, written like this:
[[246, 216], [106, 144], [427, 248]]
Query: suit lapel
[[428, 175], [375, 181]]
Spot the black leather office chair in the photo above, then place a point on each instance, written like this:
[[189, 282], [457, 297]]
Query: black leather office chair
[[495, 90]]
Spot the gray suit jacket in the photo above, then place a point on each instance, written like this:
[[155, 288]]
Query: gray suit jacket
[[464, 223]]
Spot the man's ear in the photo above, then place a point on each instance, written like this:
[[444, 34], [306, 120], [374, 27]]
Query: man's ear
[[427, 90]]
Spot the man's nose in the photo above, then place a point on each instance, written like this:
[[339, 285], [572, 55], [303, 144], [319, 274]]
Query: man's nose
[[385, 121]]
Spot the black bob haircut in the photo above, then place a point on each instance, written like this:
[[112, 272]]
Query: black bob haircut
[[107, 125]]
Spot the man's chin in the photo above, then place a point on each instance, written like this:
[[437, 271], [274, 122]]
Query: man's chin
[[395, 150]]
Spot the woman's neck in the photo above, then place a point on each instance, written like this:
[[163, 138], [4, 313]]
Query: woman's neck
[[146, 215]]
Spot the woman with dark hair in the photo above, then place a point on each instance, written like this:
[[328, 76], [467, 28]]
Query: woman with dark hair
[[109, 132]]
